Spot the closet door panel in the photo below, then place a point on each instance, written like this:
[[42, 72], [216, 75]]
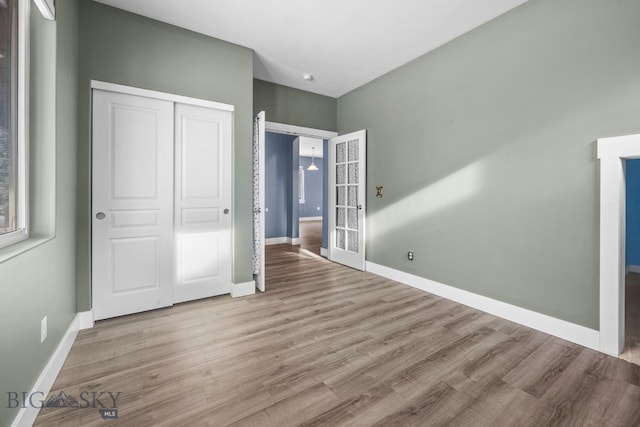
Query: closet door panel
[[202, 202], [132, 225]]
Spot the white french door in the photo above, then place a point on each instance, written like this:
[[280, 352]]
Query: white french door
[[132, 204], [162, 198], [202, 202], [347, 199], [259, 135]]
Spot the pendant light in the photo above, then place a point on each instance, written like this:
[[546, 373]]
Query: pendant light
[[312, 166]]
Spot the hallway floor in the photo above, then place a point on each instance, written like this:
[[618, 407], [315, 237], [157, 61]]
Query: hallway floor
[[311, 236]]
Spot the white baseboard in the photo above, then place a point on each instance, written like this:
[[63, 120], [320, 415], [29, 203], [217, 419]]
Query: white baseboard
[[560, 328], [632, 269], [27, 416], [85, 320], [277, 241], [243, 289], [310, 218], [281, 241], [324, 252]]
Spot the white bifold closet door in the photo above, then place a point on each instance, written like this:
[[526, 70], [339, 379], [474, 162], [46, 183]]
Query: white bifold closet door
[[161, 203]]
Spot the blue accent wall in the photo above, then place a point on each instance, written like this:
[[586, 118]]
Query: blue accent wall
[[633, 213], [278, 164], [312, 206]]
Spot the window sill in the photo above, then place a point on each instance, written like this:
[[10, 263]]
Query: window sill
[[19, 248]]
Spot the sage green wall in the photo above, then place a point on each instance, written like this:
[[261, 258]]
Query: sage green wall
[[486, 151], [291, 106], [123, 48], [40, 279]]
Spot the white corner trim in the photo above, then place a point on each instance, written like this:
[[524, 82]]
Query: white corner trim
[[299, 130], [324, 252], [130, 90], [560, 328], [295, 241], [27, 416], [47, 9], [310, 218], [243, 289], [85, 320]]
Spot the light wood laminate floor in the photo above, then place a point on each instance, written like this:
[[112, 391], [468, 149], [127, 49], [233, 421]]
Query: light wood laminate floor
[[328, 345], [311, 236]]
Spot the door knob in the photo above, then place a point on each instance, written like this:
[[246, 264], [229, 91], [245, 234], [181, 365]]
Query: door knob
[[100, 215], [226, 211]]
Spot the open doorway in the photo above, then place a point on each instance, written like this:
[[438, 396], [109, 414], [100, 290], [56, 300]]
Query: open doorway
[[631, 350], [614, 153], [312, 188], [295, 197]]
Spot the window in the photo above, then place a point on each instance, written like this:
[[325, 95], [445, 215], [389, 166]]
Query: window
[[12, 138]]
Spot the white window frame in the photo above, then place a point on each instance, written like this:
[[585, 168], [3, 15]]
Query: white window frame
[[22, 163]]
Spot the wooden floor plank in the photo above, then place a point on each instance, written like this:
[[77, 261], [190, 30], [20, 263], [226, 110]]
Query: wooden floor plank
[[329, 345]]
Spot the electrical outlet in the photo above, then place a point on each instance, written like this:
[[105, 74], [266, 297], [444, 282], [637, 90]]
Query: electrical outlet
[[410, 255], [43, 329]]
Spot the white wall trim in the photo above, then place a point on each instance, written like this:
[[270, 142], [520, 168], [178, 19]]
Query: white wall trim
[[560, 328], [47, 9], [633, 269], [277, 241], [324, 252], [299, 130], [310, 218], [112, 87], [612, 153], [243, 289], [27, 416], [282, 241], [85, 320]]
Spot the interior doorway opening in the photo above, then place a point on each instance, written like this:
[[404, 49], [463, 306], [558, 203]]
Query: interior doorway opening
[[631, 350], [312, 193], [295, 197], [613, 154]]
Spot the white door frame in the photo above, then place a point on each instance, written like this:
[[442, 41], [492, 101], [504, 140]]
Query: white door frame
[[179, 99], [274, 127], [612, 153], [259, 142]]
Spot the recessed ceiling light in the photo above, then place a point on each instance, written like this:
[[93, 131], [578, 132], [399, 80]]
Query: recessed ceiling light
[[308, 77]]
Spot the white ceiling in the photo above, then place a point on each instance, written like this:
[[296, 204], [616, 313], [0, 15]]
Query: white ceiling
[[305, 147], [342, 43]]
